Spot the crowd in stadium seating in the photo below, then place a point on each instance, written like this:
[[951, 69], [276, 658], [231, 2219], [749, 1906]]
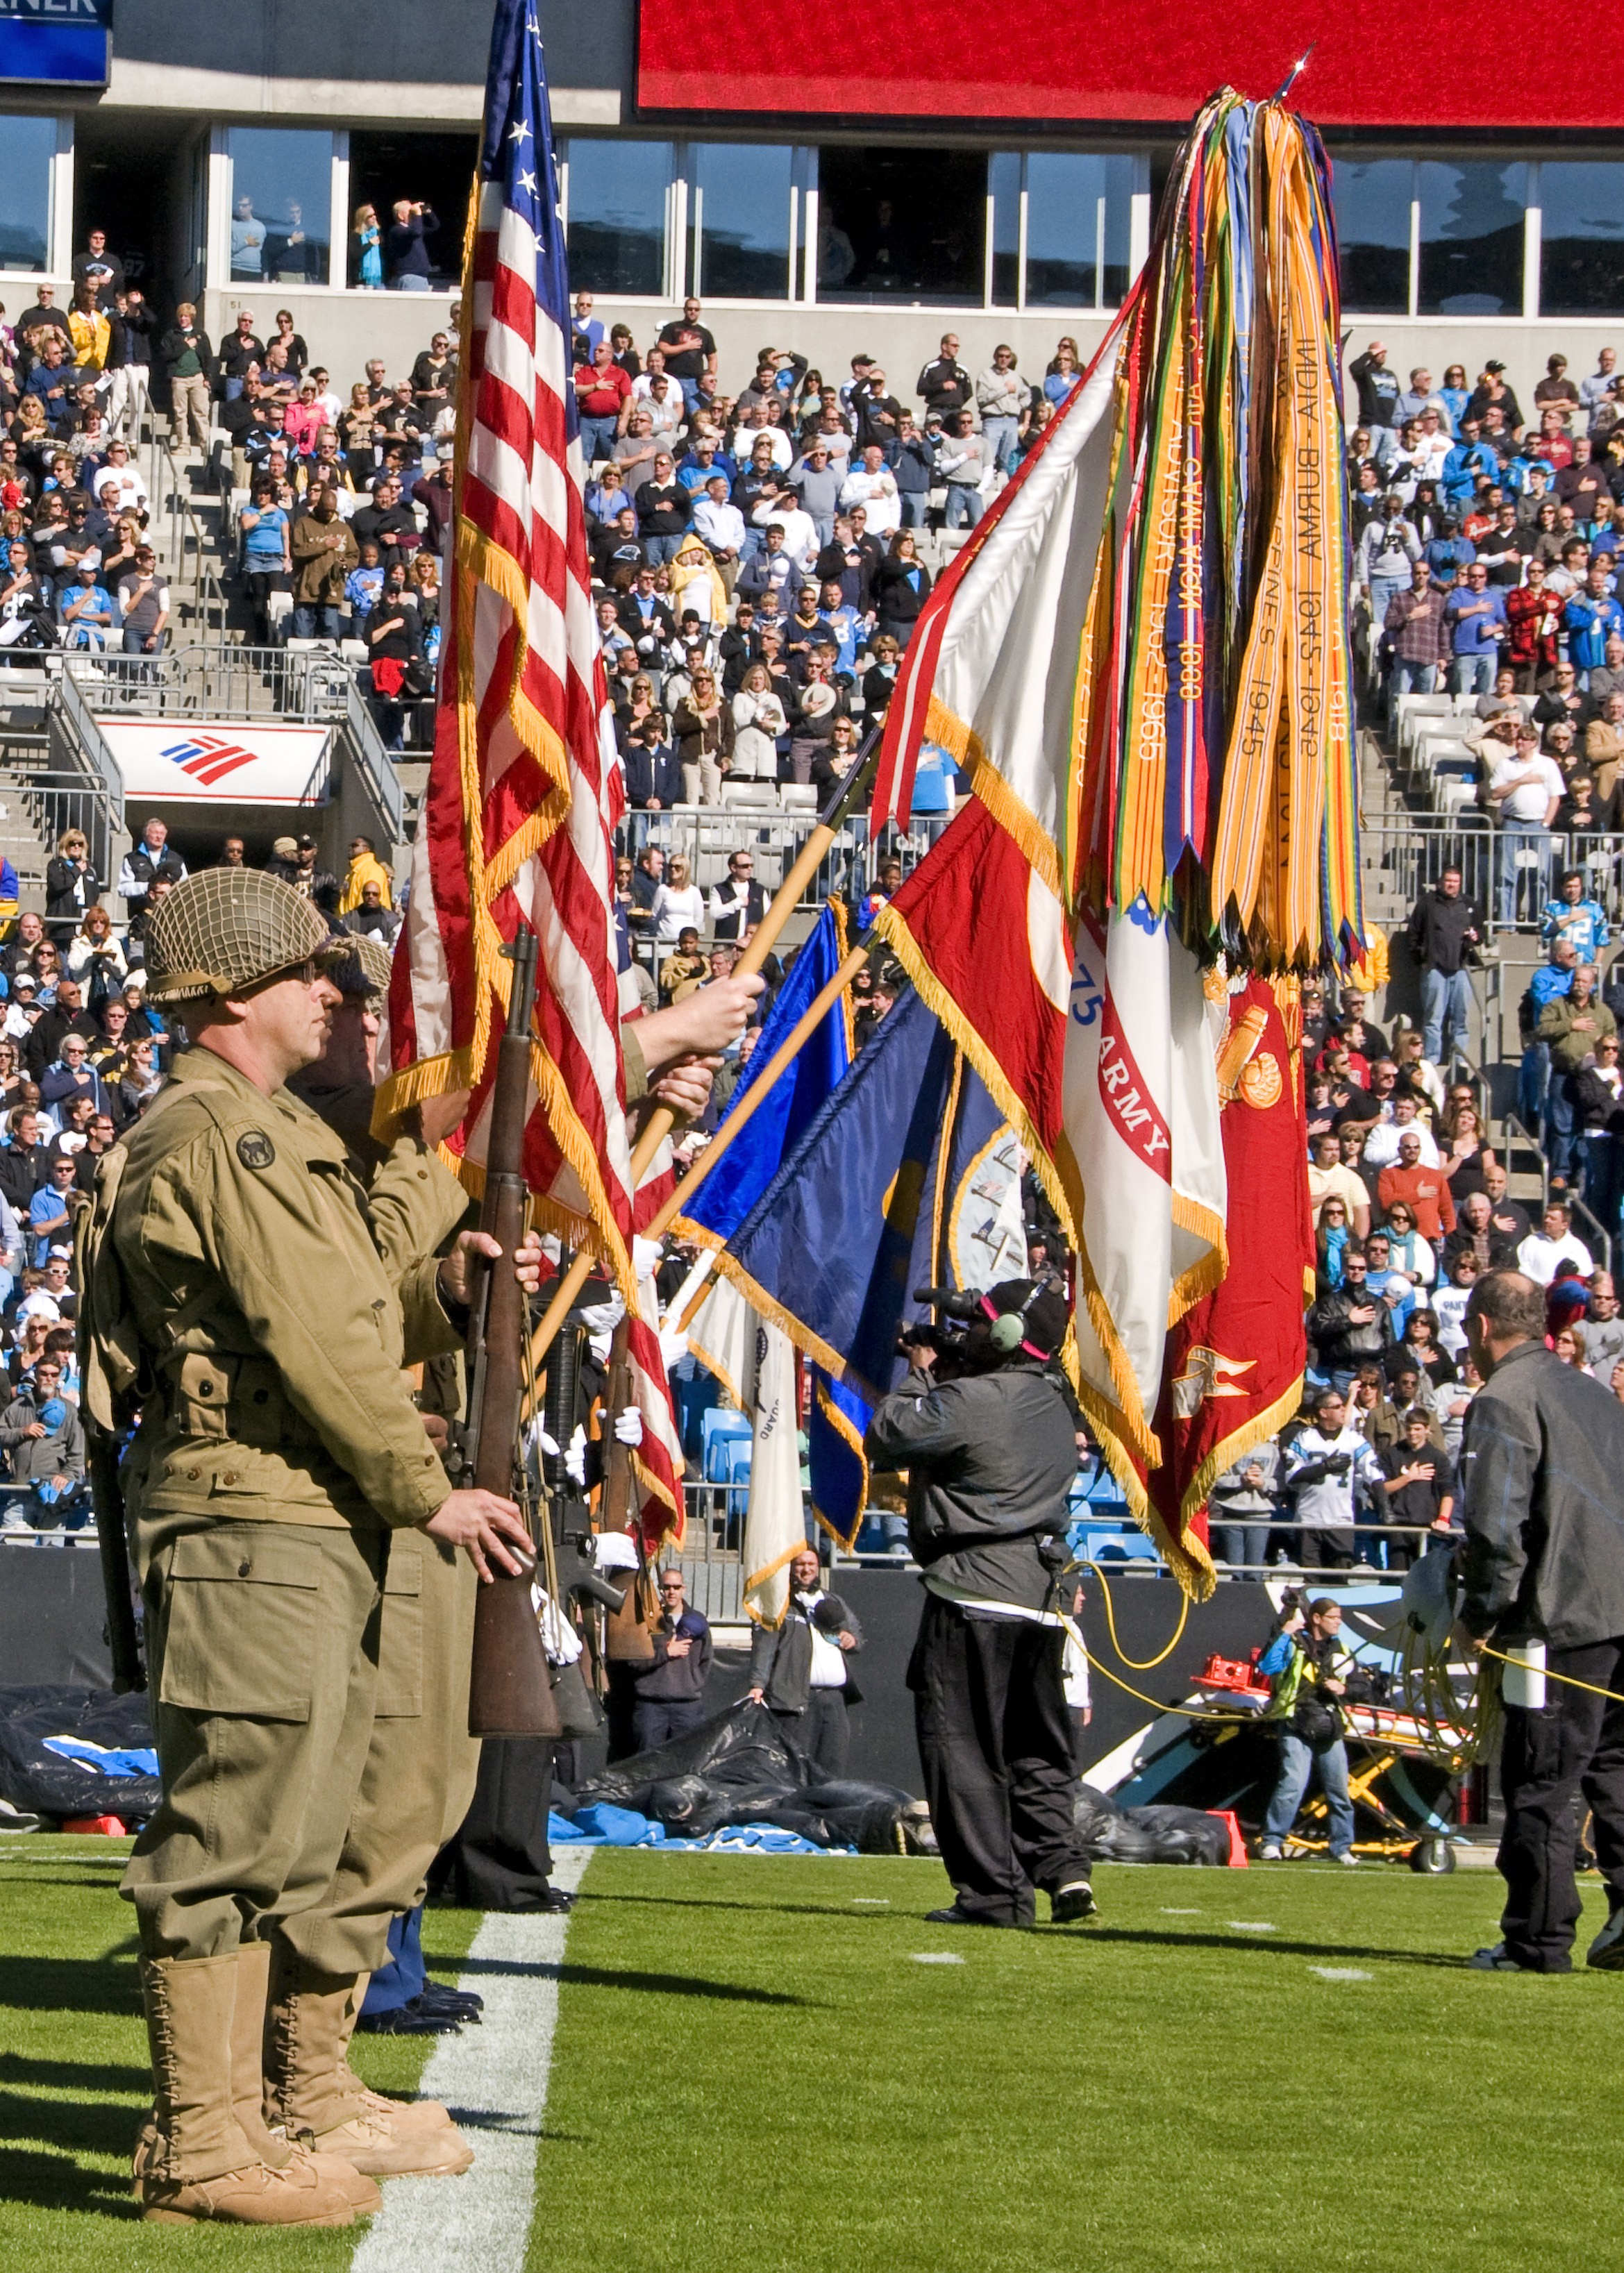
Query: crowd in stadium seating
[[758, 557], [1486, 543]]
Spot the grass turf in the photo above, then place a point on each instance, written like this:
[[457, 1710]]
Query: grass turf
[[752, 2073], [73, 2074]]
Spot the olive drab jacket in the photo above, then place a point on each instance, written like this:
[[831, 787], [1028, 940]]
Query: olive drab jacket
[[256, 1305]]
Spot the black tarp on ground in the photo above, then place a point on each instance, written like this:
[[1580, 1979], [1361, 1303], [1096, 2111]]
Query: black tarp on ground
[[39, 1781], [739, 1767]]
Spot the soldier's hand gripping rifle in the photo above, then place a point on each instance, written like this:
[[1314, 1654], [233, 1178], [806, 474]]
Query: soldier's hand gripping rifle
[[510, 1693]]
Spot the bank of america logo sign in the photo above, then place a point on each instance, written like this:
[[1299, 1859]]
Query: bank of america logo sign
[[208, 758]]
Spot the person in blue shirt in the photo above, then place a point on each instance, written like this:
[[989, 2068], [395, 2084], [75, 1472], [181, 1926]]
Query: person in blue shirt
[[1587, 618], [265, 560], [1455, 394], [1475, 616], [51, 1220], [84, 608], [844, 621], [1388, 1285], [1571, 916], [1514, 480], [362, 585], [51, 379], [1448, 554], [1470, 460]]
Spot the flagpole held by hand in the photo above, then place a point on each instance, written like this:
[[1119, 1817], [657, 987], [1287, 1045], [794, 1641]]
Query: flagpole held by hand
[[758, 948]]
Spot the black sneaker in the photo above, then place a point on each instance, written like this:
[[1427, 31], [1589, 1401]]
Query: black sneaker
[[1499, 1960], [1606, 1952], [953, 1915], [1070, 1905]]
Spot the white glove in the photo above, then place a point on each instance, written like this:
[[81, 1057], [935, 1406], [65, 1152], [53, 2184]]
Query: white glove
[[603, 1317], [575, 1459], [629, 1425], [614, 1550], [674, 1348], [544, 1444], [645, 1258]]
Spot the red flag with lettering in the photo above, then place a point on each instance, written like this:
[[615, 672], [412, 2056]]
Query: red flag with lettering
[[1234, 1367]]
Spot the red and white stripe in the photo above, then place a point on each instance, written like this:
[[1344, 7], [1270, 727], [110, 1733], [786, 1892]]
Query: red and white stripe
[[518, 819]]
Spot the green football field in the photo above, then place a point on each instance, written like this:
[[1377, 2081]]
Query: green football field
[[1288, 2067]]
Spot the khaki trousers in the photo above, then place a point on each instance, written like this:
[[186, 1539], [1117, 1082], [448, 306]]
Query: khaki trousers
[[310, 1694], [189, 401]]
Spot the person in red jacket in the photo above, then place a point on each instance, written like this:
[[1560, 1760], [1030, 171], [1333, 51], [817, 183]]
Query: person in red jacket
[[1534, 615], [602, 391], [1426, 1191]]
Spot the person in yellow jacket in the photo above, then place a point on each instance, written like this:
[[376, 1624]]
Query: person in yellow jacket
[[91, 330], [364, 868]]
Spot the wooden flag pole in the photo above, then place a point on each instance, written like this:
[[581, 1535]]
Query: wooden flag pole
[[759, 946]]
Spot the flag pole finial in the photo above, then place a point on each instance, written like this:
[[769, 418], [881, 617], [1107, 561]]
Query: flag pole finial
[[1293, 76]]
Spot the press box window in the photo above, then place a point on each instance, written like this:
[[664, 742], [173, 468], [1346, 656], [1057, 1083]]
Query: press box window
[[1472, 232], [1372, 199], [1582, 237], [739, 219], [618, 197], [281, 204], [905, 226], [26, 148]]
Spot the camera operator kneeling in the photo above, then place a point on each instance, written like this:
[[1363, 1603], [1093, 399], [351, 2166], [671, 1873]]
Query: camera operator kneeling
[[990, 1455]]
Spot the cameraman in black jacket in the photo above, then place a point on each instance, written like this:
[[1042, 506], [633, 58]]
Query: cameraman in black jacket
[[990, 1456], [1540, 1464]]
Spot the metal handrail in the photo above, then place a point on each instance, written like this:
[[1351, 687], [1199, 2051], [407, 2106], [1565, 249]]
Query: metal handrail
[[186, 550], [225, 680], [365, 745]]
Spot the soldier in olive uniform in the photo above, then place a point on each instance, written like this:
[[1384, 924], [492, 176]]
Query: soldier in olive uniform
[[287, 1516], [415, 1204]]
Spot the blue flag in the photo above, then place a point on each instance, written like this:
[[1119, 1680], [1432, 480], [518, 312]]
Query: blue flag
[[726, 1198], [908, 1177], [832, 1247]]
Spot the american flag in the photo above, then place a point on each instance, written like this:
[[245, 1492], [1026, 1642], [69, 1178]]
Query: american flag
[[525, 789]]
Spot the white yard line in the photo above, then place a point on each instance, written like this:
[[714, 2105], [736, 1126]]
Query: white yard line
[[494, 2078]]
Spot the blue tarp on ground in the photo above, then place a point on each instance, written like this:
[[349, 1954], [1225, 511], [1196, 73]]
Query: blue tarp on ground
[[603, 1825]]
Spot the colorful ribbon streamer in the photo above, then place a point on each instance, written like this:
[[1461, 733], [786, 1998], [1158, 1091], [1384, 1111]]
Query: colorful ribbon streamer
[[1215, 774]]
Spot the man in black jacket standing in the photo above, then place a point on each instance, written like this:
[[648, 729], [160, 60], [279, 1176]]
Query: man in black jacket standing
[[1444, 929], [1541, 1469], [990, 1457]]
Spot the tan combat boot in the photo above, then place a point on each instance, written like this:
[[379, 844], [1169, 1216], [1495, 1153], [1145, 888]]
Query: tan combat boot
[[196, 2162], [313, 2094], [248, 2034]]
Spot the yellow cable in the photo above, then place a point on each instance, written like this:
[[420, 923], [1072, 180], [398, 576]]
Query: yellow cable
[[1133, 1663], [1185, 1712]]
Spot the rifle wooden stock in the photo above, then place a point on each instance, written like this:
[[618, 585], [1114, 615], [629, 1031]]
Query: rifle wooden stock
[[510, 1691]]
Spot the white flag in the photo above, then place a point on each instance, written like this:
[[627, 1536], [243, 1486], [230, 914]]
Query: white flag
[[1141, 1122], [775, 1528]]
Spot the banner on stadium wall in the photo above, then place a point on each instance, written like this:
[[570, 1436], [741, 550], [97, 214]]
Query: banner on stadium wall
[[168, 760], [1084, 59]]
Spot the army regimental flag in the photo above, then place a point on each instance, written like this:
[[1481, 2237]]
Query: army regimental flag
[[1233, 1371]]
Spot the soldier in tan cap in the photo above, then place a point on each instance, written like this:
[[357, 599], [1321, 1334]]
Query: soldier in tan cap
[[247, 1299]]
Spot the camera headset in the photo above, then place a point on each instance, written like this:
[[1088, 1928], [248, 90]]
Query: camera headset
[[1018, 1317]]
